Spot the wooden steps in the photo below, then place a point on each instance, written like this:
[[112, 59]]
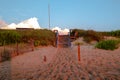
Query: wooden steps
[[63, 41]]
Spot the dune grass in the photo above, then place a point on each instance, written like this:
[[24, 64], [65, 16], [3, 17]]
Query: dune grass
[[43, 36], [108, 44]]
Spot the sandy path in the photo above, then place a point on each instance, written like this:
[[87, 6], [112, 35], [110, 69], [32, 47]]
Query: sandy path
[[62, 64], [101, 64]]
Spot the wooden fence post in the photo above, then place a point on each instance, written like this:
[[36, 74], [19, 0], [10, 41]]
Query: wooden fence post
[[45, 59], [78, 52], [17, 48], [32, 44]]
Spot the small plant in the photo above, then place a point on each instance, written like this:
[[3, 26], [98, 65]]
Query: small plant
[[108, 44], [36, 43]]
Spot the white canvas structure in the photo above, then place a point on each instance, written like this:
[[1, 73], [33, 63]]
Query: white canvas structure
[[30, 23]]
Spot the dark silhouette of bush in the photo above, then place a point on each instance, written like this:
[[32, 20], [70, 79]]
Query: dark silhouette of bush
[[88, 35], [91, 35], [80, 33]]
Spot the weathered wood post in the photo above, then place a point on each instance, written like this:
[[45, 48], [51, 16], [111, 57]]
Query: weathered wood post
[[56, 40], [17, 48], [32, 43], [4, 45], [78, 52], [45, 59], [32, 46]]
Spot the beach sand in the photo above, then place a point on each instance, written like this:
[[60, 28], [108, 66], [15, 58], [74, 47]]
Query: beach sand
[[62, 64]]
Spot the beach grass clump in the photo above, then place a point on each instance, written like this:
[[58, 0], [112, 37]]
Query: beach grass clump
[[39, 37], [108, 44], [36, 43], [42, 37], [9, 37], [115, 33], [88, 35]]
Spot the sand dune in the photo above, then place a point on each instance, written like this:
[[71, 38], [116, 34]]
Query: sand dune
[[62, 64]]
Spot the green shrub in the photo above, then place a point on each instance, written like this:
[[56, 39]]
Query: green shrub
[[9, 37], [44, 36], [36, 43], [115, 33], [108, 44]]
